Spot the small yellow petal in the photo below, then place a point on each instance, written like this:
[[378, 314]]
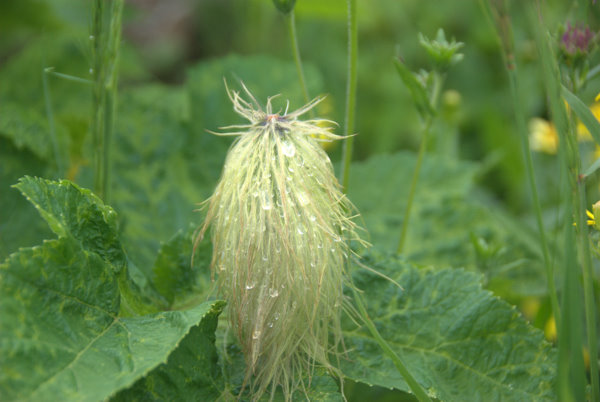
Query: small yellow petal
[[542, 136], [589, 214]]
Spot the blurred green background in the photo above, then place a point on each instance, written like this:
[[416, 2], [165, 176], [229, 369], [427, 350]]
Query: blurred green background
[[174, 57]]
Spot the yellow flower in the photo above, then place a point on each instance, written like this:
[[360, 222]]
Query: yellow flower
[[583, 133], [542, 136]]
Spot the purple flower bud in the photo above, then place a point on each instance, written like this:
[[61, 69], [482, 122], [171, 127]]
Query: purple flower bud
[[576, 40]]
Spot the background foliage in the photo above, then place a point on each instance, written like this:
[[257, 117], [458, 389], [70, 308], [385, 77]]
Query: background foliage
[[101, 301]]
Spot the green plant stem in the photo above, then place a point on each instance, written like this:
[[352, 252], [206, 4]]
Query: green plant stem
[[413, 183], [51, 122], [571, 375], [105, 56], [588, 288], [497, 13], [415, 387], [290, 20], [98, 95], [518, 110], [437, 87], [350, 94]]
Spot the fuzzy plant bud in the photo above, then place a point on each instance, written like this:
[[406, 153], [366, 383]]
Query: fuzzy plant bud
[[279, 226]]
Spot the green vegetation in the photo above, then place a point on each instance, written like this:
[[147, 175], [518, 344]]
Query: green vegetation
[[474, 169]]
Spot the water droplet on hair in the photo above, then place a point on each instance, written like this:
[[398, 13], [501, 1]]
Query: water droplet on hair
[[312, 264], [319, 245], [273, 292], [250, 286], [332, 250], [278, 250], [300, 229], [303, 198], [291, 169], [255, 194], [337, 238], [256, 334], [288, 178], [270, 325], [288, 149], [312, 218], [265, 258], [266, 200], [221, 267], [294, 305], [276, 316]]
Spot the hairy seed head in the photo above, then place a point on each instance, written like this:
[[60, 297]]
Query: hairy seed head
[[279, 229]]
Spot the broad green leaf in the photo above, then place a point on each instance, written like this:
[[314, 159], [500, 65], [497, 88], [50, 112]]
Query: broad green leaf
[[71, 211], [458, 340], [583, 112], [191, 373], [26, 128], [63, 335], [449, 220], [19, 224], [173, 274]]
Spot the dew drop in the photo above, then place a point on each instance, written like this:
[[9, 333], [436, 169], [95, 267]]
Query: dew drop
[[303, 199], [266, 200], [256, 334], [250, 286], [288, 149], [273, 292]]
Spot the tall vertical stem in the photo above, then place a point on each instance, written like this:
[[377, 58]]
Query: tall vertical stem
[[350, 93], [97, 126], [105, 55], [437, 87], [290, 20]]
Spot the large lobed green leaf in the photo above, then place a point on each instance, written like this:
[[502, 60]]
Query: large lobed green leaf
[[61, 333], [459, 341], [451, 223]]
